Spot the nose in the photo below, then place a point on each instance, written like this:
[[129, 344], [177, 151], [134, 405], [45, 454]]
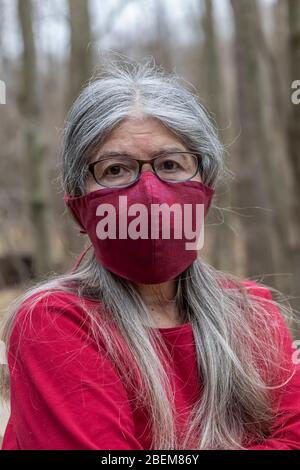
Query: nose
[[146, 167]]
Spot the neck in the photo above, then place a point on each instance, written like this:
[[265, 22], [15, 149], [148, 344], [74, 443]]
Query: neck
[[158, 294], [160, 300]]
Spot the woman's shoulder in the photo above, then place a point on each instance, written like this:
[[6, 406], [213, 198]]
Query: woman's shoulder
[[49, 312], [278, 315], [257, 289], [260, 296], [249, 286]]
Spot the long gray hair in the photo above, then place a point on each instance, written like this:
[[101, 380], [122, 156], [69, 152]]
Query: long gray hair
[[235, 337]]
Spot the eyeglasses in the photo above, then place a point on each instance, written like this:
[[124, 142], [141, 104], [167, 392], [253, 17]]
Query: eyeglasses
[[122, 171]]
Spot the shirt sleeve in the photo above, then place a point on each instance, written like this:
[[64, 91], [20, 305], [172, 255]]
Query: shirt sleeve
[[286, 429], [65, 392]]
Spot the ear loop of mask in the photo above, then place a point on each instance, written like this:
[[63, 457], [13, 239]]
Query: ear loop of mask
[[80, 258]]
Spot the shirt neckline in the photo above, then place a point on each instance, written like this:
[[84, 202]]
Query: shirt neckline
[[174, 329]]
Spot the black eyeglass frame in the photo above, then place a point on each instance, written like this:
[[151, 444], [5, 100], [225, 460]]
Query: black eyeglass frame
[[152, 161]]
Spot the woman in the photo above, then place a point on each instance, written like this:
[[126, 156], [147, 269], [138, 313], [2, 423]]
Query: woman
[[143, 345]]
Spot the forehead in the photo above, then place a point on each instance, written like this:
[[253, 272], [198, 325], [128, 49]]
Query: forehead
[[142, 133]]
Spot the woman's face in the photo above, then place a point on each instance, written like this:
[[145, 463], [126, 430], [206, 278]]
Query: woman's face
[[141, 139]]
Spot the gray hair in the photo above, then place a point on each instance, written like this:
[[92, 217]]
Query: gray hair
[[233, 330]]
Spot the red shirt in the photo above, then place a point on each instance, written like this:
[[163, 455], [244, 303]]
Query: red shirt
[[66, 394]]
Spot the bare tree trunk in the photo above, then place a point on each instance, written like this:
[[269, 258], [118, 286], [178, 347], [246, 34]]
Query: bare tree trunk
[[294, 140], [253, 185], [80, 64], [278, 173], [2, 20], [28, 101], [212, 72], [163, 44], [213, 83], [80, 70]]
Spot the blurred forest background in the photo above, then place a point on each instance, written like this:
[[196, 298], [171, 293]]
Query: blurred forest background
[[240, 56]]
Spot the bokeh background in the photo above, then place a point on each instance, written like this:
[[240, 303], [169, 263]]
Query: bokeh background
[[241, 57]]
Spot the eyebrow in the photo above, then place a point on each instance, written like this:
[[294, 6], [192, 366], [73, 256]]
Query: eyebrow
[[115, 153]]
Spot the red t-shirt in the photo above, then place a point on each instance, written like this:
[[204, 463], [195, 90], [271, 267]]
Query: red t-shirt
[[66, 394]]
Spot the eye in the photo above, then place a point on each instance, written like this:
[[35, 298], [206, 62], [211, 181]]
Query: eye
[[115, 170], [169, 165]]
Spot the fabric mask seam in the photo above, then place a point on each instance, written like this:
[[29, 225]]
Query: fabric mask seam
[[153, 240]]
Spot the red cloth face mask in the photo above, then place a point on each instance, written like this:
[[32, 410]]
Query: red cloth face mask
[[142, 256]]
